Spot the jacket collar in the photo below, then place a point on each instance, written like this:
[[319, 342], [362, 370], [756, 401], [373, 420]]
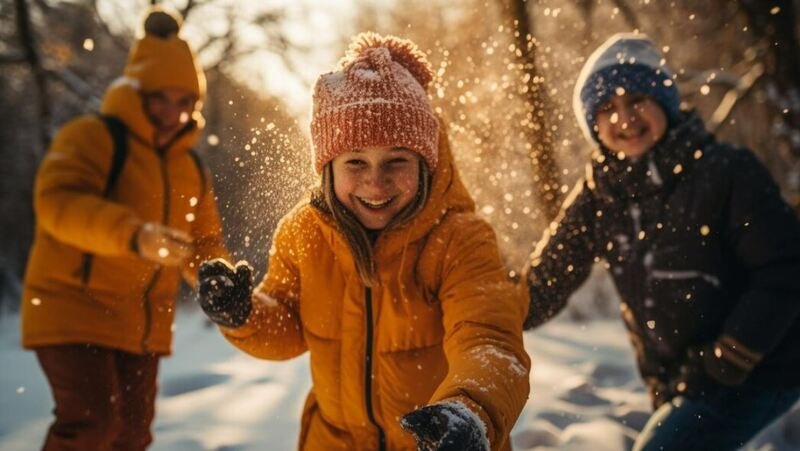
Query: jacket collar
[[655, 172]]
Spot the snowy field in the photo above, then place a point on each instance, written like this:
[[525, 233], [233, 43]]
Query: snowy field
[[585, 394]]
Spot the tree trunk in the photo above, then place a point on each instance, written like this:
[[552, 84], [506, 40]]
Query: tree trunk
[[28, 42], [775, 23], [546, 185]]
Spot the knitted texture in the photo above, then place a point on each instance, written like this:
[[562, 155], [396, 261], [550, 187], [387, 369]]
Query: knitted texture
[[161, 59], [377, 98], [630, 62]]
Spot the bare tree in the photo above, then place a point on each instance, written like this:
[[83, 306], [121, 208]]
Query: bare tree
[[775, 24], [27, 41], [587, 7], [545, 178]]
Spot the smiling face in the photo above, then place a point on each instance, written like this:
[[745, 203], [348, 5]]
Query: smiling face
[[630, 123], [376, 183]]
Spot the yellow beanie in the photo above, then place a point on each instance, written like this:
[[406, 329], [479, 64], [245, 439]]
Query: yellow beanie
[[161, 59]]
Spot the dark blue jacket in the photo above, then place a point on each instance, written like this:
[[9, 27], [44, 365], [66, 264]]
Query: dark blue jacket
[[698, 242]]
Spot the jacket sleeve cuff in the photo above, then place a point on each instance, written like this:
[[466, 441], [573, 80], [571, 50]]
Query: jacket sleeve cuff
[[729, 361], [128, 235], [730, 349], [480, 413]]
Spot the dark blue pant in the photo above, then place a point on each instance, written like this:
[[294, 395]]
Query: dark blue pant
[[726, 421]]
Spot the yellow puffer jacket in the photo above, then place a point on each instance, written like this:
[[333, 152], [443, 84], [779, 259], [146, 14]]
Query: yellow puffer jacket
[[112, 298], [443, 323]]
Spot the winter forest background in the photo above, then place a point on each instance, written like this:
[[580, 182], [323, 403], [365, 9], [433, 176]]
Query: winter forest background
[[504, 80]]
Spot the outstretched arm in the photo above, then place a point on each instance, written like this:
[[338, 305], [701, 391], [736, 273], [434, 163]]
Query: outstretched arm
[[765, 236], [562, 259], [482, 314], [272, 329]]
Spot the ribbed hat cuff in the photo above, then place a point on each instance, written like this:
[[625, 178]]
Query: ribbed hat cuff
[[634, 78], [342, 128]]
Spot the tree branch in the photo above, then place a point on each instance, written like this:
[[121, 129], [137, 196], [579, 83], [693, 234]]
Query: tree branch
[[77, 86], [627, 13], [734, 95], [118, 42], [12, 58], [543, 164], [28, 43]]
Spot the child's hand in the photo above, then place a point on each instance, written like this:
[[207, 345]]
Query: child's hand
[[729, 362], [705, 373], [447, 426], [225, 291], [163, 245]]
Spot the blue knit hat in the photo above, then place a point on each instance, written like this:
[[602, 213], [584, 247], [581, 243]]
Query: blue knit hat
[[628, 61]]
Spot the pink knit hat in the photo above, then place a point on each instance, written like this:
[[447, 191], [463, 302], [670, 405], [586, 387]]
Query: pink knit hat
[[377, 98]]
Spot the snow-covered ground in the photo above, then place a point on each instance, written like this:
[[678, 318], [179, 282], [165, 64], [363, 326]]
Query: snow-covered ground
[[585, 394]]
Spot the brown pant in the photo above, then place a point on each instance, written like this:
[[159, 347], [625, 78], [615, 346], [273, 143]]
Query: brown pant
[[104, 398]]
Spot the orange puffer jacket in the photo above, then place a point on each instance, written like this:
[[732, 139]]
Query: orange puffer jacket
[[443, 323], [112, 298]]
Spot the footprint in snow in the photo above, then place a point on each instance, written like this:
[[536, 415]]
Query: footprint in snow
[[583, 395], [610, 375], [541, 434], [791, 426], [230, 448], [191, 382], [559, 418], [634, 419]]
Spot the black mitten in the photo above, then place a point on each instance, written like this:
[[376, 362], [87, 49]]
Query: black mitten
[[447, 426], [225, 291], [728, 361], [711, 368]]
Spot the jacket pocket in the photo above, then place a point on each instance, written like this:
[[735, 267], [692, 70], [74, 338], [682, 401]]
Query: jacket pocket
[[408, 380], [407, 323], [321, 307], [318, 434]]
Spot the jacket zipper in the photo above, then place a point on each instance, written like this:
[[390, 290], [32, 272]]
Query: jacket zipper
[[86, 268], [368, 370], [146, 302], [148, 316]]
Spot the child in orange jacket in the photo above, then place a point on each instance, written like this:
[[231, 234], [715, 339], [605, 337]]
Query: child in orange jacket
[[123, 209], [385, 275]]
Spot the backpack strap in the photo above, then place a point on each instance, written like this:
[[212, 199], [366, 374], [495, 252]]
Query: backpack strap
[[119, 138]]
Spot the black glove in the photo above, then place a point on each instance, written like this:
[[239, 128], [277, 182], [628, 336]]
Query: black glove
[[710, 369], [729, 362], [447, 426], [225, 291]]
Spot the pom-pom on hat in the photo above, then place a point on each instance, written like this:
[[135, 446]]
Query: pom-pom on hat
[[628, 61], [161, 59], [162, 23], [377, 98]]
